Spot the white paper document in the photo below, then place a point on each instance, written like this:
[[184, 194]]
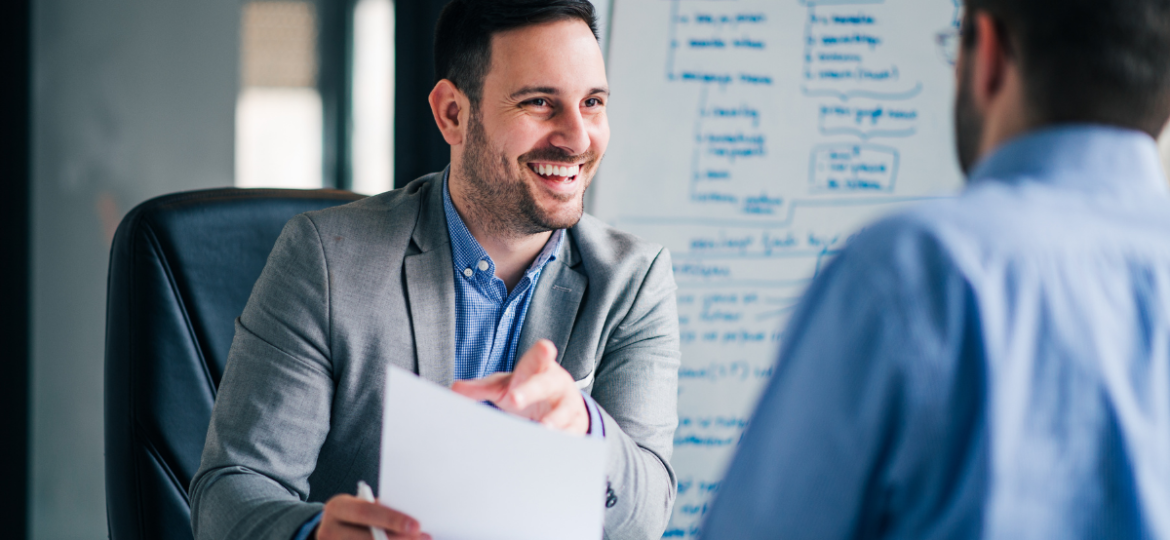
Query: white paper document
[[466, 471]]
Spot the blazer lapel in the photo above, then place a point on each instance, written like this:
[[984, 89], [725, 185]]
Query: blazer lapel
[[430, 289], [554, 304]]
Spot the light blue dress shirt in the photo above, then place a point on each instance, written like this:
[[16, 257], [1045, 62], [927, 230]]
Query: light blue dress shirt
[[488, 319], [995, 365]]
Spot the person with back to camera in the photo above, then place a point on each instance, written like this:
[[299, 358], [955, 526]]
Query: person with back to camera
[[995, 365], [486, 277]]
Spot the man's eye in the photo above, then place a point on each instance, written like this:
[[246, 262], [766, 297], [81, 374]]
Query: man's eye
[[593, 102], [538, 102]]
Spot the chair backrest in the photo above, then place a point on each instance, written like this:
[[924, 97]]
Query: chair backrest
[[181, 269]]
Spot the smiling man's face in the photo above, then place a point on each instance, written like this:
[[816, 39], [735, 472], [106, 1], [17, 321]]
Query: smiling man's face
[[537, 137]]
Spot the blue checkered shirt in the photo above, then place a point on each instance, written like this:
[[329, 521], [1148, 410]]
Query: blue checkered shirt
[[488, 318]]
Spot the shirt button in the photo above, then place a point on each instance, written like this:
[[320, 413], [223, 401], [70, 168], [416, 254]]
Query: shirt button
[[468, 272], [483, 265]]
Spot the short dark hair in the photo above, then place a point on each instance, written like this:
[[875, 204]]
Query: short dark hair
[[1101, 61], [463, 36]]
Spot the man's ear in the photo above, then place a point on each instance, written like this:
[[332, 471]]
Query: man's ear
[[990, 61], [451, 108]]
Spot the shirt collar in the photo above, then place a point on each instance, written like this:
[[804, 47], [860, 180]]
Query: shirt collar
[[1086, 157], [466, 251]]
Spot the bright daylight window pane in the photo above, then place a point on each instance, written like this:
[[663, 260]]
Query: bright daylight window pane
[[373, 96], [278, 113]]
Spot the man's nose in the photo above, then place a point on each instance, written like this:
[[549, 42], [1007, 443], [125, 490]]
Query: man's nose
[[571, 133]]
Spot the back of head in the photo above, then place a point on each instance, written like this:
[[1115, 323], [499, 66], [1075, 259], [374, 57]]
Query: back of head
[[464, 33], [1100, 61]]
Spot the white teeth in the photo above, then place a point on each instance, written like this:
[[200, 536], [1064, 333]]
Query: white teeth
[[553, 170]]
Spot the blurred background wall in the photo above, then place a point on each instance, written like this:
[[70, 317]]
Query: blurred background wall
[[131, 99]]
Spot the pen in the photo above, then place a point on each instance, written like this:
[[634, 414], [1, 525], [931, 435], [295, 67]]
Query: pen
[[366, 494]]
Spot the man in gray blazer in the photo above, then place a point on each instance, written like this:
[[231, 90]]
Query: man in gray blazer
[[486, 277]]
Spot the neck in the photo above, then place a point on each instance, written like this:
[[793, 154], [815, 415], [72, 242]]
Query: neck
[[1007, 117], [512, 252]]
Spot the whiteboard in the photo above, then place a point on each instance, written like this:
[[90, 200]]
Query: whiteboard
[[753, 138]]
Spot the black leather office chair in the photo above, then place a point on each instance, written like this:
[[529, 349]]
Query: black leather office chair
[[181, 269]]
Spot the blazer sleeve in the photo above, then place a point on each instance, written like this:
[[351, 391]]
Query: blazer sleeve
[[263, 444], [637, 389]]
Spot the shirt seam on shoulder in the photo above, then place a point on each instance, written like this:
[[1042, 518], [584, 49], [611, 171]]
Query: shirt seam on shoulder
[[328, 286], [643, 278]]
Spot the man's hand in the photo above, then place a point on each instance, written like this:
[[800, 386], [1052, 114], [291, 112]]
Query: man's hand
[[349, 518], [538, 389]]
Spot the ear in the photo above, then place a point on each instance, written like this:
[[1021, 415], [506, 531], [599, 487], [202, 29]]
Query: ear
[[990, 61], [451, 109]]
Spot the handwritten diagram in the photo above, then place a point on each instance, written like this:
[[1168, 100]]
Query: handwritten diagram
[[754, 138]]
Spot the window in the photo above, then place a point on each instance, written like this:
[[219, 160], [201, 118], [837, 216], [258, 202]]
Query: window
[[278, 112], [315, 107], [373, 97]]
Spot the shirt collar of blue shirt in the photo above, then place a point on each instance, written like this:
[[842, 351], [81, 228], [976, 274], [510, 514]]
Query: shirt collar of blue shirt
[[1085, 157], [466, 251]]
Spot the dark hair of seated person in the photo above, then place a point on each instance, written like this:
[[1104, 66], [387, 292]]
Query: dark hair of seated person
[[1099, 61], [463, 36]]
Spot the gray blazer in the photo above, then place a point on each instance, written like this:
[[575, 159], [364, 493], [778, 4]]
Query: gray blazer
[[352, 289]]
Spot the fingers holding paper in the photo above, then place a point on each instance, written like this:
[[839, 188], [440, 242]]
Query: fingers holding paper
[[349, 518], [538, 389]]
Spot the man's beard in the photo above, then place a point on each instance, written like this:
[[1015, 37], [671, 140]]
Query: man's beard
[[499, 198], [968, 123]]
